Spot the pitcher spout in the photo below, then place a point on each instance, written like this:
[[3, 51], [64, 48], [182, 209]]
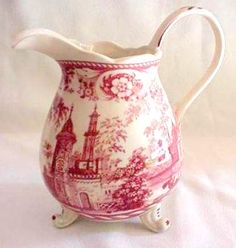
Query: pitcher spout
[[43, 41], [51, 43]]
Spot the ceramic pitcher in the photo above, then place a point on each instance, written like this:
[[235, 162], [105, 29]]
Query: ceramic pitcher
[[111, 147]]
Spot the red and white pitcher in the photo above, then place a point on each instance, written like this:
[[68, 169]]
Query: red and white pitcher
[[111, 145]]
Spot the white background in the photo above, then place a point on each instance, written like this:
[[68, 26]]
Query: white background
[[203, 206]]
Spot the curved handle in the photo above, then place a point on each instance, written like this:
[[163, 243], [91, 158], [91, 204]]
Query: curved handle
[[187, 100]]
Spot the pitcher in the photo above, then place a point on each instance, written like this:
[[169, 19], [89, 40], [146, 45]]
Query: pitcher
[[111, 147]]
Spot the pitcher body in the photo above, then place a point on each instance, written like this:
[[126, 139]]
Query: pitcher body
[[110, 148]]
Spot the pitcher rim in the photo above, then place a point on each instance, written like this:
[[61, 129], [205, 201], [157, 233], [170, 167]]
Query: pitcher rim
[[137, 54]]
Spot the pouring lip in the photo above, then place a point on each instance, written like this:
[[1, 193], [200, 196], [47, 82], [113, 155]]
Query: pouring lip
[[100, 52]]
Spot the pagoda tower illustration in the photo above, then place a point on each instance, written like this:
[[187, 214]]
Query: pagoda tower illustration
[[90, 137], [62, 153], [87, 165], [64, 145]]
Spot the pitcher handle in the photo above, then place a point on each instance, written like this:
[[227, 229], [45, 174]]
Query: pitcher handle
[[188, 99]]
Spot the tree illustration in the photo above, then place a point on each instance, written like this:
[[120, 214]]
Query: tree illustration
[[131, 194], [58, 111], [110, 139]]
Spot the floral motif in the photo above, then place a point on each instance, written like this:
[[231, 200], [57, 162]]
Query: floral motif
[[133, 192], [156, 93], [135, 165], [158, 144], [86, 84], [87, 90], [137, 161], [132, 112], [121, 86], [86, 79]]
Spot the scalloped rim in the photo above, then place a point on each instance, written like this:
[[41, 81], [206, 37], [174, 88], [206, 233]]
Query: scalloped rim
[[142, 53]]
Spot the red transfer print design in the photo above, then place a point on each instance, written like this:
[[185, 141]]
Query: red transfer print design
[[167, 172], [133, 191], [81, 77], [109, 190], [134, 167], [95, 181], [111, 139], [87, 90], [123, 189], [156, 93], [86, 79], [58, 111], [47, 150], [132, 194], [121, 86], [159, 139], [140, 104], [81, 81], [68, 73]]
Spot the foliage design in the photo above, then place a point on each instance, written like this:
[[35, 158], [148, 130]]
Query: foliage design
[[111, 138], [132, 193], [58, 111], [68, 74], [81, 81]]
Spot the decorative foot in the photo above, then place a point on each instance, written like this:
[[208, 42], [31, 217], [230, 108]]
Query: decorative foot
[[64, 219], [153, 221]]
